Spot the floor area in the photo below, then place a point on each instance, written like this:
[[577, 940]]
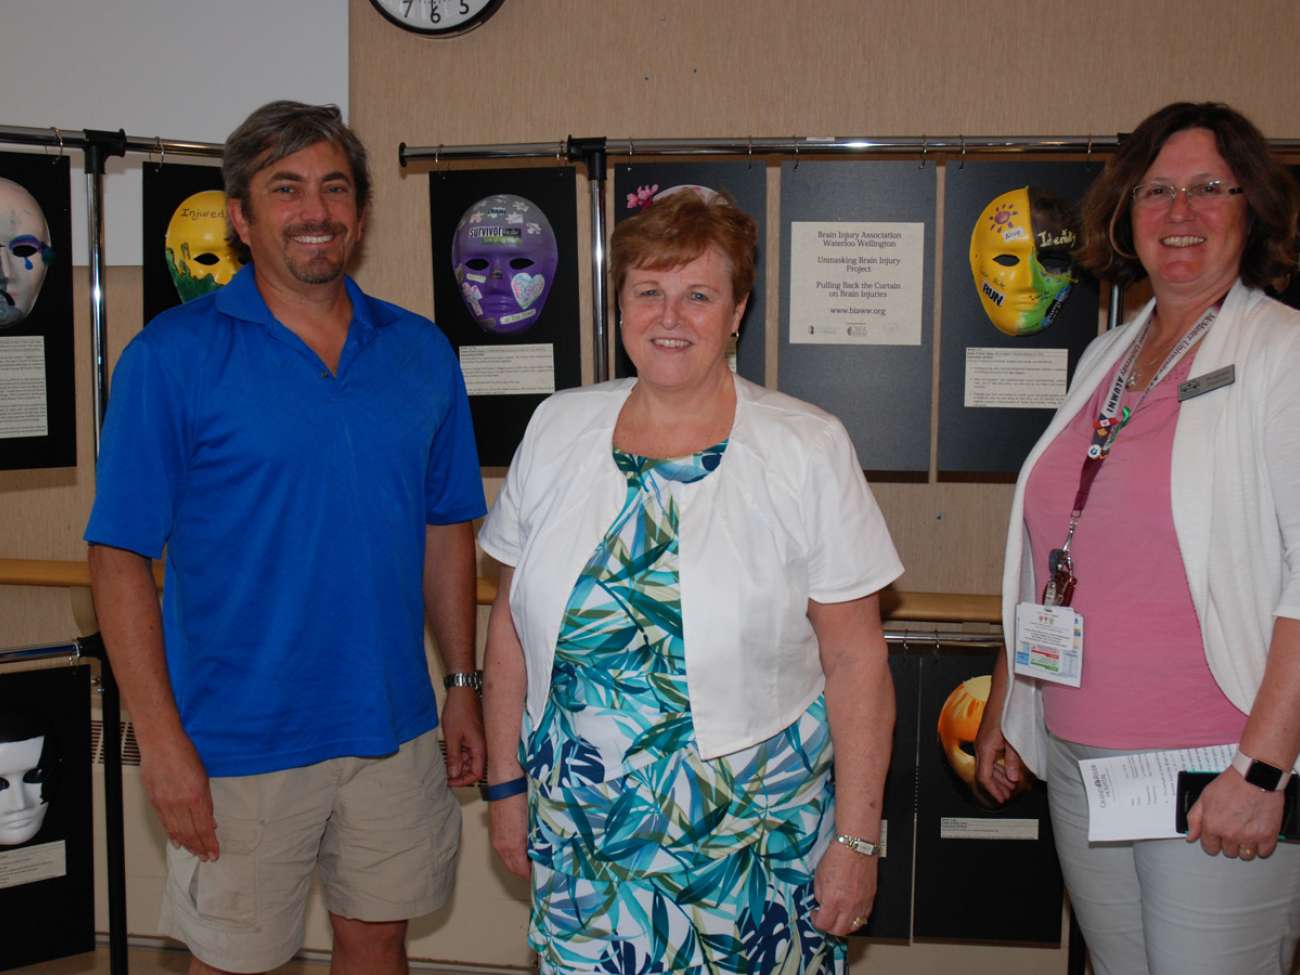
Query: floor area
[[159, 961], [143, 961]]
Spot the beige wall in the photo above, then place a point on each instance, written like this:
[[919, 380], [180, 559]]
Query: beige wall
[[544, 69]]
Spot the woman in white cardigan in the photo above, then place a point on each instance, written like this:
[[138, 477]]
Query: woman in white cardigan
[[1162, 505], [686, 643]]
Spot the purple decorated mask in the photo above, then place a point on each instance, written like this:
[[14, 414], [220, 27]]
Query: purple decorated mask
[[504, 254]]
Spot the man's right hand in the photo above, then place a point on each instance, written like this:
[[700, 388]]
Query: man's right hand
[[126, 602], [177, 785]]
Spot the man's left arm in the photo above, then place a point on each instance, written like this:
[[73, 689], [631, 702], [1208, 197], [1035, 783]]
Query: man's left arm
[[449, 594]]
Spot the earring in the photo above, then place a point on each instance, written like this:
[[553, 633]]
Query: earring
[[1110, 237]]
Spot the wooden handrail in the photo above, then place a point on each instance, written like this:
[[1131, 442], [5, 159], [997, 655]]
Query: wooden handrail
[[924, 607]]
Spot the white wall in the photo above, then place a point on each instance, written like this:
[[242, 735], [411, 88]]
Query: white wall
[[179, 70]]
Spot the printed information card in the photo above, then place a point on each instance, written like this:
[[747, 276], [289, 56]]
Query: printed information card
[[856, 283], [1021, 379], [27, 865], [508, 370], [24, 409]]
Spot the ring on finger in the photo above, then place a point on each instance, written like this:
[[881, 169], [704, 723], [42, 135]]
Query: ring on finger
[[858, 921], [1246, 853]]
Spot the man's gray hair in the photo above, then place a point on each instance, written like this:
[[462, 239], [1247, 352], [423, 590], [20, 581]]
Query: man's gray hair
[[279, 129]]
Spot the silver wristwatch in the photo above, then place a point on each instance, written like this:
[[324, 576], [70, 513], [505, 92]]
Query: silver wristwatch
[[858, 845], [472, 679]]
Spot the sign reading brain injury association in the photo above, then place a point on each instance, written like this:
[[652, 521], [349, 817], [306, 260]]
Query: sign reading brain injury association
[[856, 283]]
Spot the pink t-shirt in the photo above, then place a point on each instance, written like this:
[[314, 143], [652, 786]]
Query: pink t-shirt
[[1145, 680]]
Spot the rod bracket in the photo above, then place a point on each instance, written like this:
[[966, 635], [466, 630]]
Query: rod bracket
[[101, 144], [92, 646], [590, 150]]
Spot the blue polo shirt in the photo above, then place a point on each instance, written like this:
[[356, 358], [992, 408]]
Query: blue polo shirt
[[292, 503]]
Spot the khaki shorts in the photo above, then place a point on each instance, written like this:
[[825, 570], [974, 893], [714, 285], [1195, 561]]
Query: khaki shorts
[[383, 831]]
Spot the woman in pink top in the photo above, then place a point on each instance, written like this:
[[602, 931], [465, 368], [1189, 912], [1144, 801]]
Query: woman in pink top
[[1162, 505]]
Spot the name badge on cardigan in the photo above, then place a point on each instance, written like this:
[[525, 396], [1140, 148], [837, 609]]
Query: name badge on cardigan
[[1211, 381]]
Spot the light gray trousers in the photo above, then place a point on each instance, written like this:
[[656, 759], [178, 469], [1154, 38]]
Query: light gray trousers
[[1163, 907]]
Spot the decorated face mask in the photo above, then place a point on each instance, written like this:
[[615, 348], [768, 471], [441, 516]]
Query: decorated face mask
[[198, 257], [504, 254], [25, 252], [1020, 259], [959, 720], [22, 790]]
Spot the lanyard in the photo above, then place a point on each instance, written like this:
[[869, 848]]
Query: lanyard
[[1105, 431]]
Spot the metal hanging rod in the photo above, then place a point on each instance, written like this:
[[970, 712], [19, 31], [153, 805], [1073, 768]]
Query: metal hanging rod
[[81, 138], [922, 639], [766, 146], [72, 652], [571, 149]]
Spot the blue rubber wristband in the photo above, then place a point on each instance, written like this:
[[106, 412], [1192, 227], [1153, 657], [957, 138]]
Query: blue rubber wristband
[[504, 790]]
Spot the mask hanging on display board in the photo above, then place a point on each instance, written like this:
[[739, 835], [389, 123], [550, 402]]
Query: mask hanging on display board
[[959, 722], [47, 812], [25, 252], [1021, 261], [504, 254], [26, 778], [199, 258]]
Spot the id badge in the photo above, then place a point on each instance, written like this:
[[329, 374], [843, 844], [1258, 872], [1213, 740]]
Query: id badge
[[1049, 643]]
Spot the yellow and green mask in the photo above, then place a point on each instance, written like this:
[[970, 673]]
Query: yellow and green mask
[[198, 257], [1020, 258]]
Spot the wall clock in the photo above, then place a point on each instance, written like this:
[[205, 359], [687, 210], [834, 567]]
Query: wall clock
[[437, 18]]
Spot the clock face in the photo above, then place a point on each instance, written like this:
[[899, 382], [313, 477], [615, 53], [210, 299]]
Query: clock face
[[437, 18]]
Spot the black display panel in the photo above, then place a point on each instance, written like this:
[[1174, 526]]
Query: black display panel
[[38, 402], [47, 895], [184, 249], [977, 358], [857, 245], [982, 873], [505, 280]]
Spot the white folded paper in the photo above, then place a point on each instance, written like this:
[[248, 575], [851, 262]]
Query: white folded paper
[[1132, 797]]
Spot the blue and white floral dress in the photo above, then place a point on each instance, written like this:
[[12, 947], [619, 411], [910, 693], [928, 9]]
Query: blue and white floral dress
[[647, 858]]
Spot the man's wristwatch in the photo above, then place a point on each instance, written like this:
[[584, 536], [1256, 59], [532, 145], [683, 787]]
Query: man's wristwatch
[[472, 679], [858, 845], [1260, 774]]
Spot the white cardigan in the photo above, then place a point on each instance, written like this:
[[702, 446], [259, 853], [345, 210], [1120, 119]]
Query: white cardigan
[[787, 516], [1235, 490]]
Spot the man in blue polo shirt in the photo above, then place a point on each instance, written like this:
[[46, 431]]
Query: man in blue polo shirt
[[304, 453]]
